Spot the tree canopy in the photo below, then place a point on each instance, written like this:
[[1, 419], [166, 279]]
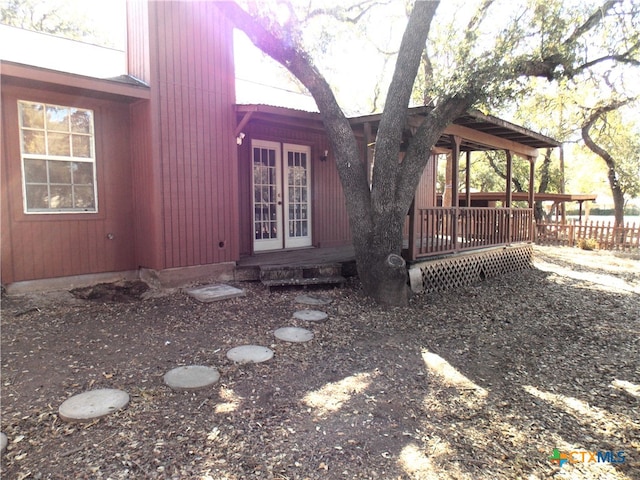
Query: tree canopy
[[66, 18]]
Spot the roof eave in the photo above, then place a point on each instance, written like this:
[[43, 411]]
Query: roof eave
[[37, 77]]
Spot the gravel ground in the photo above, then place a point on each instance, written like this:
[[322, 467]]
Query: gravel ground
[[479, 383]]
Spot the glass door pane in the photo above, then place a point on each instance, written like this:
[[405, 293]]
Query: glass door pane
[[267, 196], [297, 196]]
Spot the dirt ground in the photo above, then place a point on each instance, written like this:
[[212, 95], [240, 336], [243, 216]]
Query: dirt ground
[[479, 383]]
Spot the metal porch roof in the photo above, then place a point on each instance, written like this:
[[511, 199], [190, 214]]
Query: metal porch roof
[[491, 125], [474, 120]]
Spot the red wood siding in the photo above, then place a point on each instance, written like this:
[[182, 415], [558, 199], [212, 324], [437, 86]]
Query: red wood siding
[[147, 195], [192, 123], [55, 245], [329, 215], [138, 62], [426, 191]]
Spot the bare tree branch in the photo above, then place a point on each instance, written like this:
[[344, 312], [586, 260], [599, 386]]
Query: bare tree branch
[[347, 14], [594, 19], [621, 58]]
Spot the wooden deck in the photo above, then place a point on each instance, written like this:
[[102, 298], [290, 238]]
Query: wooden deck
[[298, 257]]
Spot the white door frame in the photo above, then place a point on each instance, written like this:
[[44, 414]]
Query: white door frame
[[281, 191], [296, 171], [266, 181]]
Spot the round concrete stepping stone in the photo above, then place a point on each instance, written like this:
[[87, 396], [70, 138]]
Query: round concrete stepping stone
[[93, 404], [250, 354], [309, 300], [310, 315], [191, 377], [293, 334], [3, 441]]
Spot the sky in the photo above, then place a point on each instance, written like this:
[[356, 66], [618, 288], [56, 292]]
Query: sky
[[107, 17], [259, 78], [351, 66]]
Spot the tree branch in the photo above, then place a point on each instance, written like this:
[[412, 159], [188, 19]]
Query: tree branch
[[597, 114], [287, 52], [614, 182], [419, 149], [594, 19], [547, 67], [501, 174], [344, 14], [622, 58], [393, 121]]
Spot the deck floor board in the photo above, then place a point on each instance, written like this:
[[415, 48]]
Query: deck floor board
[[299, 257]]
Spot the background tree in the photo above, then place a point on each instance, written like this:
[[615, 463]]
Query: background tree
[[588, 111], [481, 65], [55, 17], [605, 136], [554, 106]]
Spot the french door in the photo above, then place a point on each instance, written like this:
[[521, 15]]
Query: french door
[[281, 195]]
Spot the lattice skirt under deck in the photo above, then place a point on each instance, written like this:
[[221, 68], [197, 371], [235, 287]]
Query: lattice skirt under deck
[[466, 269]]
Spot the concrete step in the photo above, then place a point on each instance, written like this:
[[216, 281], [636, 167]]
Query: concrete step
[[287, 282], [276, 272], [289, 275]]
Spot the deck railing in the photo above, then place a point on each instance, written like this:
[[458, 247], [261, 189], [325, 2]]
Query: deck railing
[[440, 230]]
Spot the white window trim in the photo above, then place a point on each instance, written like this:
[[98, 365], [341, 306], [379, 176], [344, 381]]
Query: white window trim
[[46, 157]]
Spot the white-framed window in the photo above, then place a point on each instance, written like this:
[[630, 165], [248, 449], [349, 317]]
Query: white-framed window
[[58, 158]]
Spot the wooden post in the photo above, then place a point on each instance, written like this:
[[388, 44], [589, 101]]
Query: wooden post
[[455, 166], [469, 223], [571, 235], [413, 248], [446, 194], [508, 195], [562, 180], [532, 186], [532, 197], [467, 181]]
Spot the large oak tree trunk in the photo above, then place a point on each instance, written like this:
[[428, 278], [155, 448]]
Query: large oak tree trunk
[[384, 278], [381, 268]]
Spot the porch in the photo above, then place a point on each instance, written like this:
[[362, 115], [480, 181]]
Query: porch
[[432, 233], [451, 247]]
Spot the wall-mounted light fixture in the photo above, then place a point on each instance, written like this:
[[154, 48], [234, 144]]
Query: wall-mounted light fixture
[[324, 156], [240, 138]]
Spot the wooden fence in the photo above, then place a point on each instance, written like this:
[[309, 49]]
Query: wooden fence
[[602, 235]]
